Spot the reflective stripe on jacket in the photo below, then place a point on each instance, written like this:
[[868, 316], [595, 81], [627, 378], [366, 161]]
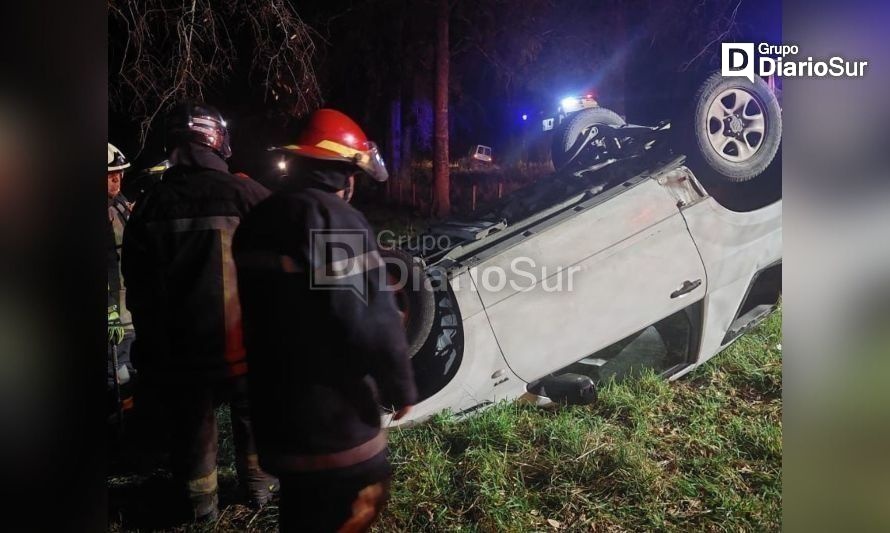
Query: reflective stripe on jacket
[[180, 276]]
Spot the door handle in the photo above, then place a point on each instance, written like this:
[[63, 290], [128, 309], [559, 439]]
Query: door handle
[[686, 288]]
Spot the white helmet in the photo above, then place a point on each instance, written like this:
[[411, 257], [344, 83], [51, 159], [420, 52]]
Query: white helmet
[[116, 159]]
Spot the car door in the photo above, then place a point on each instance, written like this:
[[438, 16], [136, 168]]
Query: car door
[[626, 260]]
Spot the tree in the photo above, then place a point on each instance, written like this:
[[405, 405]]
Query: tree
[[441, 178], [166, 50]]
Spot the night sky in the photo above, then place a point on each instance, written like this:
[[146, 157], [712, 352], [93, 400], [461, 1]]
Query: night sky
[[508, 58]]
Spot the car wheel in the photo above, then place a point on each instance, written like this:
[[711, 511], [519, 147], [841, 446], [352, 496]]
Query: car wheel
[[413, 294], [437, 361], [432, 320], [572, 130], [736, 129]]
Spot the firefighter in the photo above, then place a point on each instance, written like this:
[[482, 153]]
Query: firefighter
[[120, 326], [323, 358], [183, 295]]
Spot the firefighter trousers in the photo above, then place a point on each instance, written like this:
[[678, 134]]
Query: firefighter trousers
[[191, 412], [324, 502]]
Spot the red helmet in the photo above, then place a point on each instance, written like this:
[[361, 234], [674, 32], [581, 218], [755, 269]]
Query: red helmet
[[333, 136]]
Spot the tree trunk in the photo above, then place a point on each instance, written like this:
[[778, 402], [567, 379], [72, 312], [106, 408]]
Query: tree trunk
[[442, 202]]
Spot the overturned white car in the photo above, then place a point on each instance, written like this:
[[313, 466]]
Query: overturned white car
[[591, 274]]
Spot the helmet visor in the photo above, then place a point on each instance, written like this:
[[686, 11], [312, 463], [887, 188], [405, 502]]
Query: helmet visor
[[372, 163], [368, 160]]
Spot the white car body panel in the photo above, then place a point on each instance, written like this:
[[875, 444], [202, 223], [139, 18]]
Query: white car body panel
[[631, 253], [484, 376], [734, 247]]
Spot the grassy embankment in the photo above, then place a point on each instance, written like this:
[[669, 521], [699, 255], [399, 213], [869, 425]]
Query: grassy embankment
[[700, 454]]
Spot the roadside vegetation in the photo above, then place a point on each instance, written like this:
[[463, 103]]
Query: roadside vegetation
[[471, 188], [703, 453]]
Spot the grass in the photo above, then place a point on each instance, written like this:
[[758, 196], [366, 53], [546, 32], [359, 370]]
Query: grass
[[703, 453]]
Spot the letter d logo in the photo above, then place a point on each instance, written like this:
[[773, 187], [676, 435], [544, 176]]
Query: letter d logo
[[737, 59]]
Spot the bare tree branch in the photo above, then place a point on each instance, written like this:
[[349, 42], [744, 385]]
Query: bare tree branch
[[179, 49], [730, 25]]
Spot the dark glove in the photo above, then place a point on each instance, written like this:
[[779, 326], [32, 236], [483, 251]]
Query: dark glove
[[115, 328]]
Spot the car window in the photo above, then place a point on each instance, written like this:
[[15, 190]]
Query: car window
[[661, 346]]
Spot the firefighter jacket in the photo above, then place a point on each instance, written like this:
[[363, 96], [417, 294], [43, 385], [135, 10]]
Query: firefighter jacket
[[179, 274], [325, 352], [118, 213]]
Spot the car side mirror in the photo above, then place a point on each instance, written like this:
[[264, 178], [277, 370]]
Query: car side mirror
[[569, 389]]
